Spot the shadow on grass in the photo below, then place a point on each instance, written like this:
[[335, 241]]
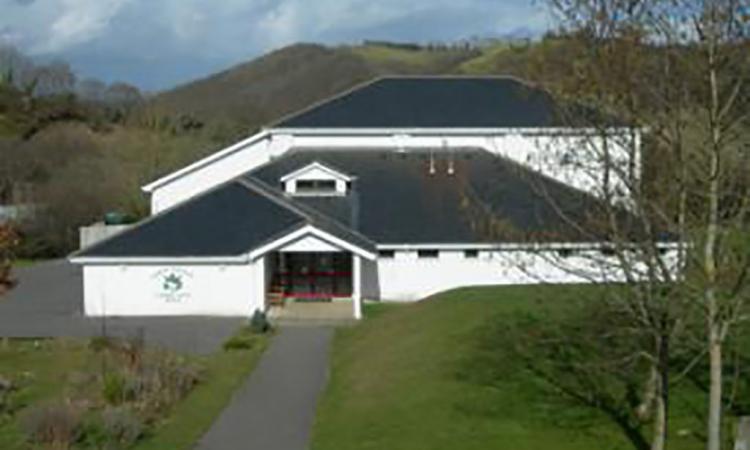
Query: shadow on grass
[[568, 371]]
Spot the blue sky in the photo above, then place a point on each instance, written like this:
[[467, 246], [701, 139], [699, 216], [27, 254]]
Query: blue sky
[[159, 43]]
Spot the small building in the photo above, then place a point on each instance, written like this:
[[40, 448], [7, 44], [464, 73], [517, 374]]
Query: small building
[[393, 191]]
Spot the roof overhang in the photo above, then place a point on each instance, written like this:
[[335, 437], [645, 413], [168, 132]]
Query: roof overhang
[[311, 230], [316, 165]]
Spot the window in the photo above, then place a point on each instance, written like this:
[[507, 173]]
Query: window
[[387, 254], [608, 250], [428, 253], [471, 253], [565, 252], [316, 186]]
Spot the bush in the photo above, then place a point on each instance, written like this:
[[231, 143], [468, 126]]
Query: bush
[[122, 427], [57, 425], [8, 405], [240, 341], [8, 243], [118, 388], [100, 343]]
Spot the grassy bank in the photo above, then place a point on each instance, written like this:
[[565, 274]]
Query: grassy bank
[[418, 376]]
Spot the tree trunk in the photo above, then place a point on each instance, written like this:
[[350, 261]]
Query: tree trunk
[[661, 402], [715, 392], [659, 438], [714, 321]]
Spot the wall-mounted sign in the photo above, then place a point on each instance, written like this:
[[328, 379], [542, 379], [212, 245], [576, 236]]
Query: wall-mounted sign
[[173, 284]]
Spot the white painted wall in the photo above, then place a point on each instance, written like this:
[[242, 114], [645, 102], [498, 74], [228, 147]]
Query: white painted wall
[[310, 243], [407, 277], [137, 290], [256, 152], [566, 157], [92, 234]]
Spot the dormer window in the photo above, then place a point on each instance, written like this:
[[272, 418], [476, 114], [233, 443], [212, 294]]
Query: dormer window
[[316, 186], [316, 179]]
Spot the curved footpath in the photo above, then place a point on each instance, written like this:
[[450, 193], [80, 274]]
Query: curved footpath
[[275, 408]]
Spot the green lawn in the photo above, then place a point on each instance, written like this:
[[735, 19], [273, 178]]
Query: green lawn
[[414, 377], [45, 370]]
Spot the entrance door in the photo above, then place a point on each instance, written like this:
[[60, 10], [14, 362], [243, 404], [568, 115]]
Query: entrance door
[[315, 274]]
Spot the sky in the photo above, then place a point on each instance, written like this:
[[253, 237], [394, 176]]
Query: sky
[[156, 44]]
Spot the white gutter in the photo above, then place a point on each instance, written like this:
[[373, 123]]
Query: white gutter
[[514, 246], [443, 131], [145, 260]]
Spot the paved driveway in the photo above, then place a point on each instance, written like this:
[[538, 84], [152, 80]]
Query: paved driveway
[[48, 303], [275, 408]]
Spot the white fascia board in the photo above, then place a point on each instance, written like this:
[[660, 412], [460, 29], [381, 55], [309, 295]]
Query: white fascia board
[[512, 246], [206, 161], [311, 230], [316, 165], [147, 260], [445, 131]]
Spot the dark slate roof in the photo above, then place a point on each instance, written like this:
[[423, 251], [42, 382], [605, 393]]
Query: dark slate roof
[[395, 199], [315, 217], [433, 102], [228, 221]]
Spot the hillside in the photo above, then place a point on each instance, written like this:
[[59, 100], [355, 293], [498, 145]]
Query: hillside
[[258, 92]]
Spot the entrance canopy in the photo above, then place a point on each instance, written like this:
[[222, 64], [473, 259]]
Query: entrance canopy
[[312, 239]]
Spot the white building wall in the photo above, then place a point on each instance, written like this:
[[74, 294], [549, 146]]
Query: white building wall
[[408, 278], [138, 290], [255, 153], [573, 159]]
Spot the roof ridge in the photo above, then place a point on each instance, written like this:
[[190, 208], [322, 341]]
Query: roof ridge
[[310, 213], [266, 191], [330, 98], [378, 78]]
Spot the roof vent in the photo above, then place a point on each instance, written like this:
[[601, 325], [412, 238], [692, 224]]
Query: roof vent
[[451, 168], [432, 163]]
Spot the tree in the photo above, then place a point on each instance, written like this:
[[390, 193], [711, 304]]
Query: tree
[[8, 243], [677, 68]]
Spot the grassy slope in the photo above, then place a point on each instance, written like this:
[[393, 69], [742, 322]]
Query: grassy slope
[[260, 91], [44, 368], [404, 379]]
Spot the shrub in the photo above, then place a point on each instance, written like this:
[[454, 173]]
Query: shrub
[[8, 405], [9, 241], [118, 388], [57, 425], [161, 381], [122, 427], [100, 343], [240, 341]]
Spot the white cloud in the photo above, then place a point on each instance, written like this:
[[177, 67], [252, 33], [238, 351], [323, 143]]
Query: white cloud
[[78, 22], [138, 39]]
